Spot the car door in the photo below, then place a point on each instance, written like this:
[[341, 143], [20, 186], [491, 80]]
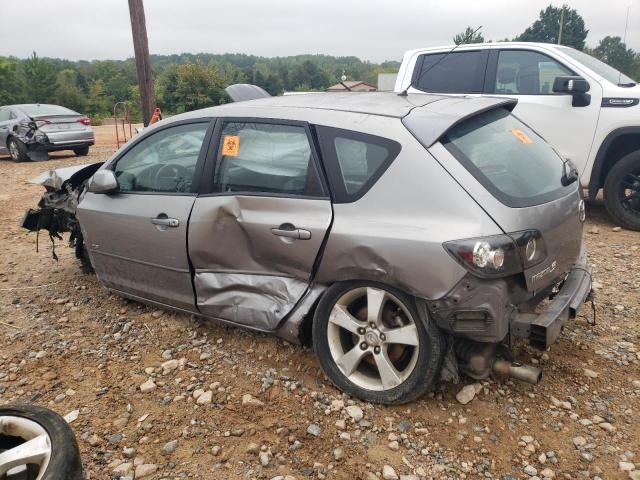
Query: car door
[[5, 115], [137, 236], [528, 76], [461, 72], [256, 230]]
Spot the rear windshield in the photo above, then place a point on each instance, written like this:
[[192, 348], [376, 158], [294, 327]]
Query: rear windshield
[[508, 158], [39, 110]]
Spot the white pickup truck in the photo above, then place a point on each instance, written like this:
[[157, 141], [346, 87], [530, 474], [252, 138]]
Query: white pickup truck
[[585, 108]]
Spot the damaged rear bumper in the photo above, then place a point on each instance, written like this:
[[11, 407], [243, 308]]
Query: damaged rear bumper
[[499, 310], [543, 329]]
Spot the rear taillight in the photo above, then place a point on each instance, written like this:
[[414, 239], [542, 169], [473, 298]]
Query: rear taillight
[[40, 123], [499, 255], [85, 121]]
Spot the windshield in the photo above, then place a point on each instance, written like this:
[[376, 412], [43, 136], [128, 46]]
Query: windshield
[[605, 71], [37, 110], [508, 158]]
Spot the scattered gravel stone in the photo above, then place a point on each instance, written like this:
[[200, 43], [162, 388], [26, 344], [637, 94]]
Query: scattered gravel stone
[[251, 401], [355, 412], [145, 470], [206, 398], [148, 386], [170, 447], [468, 393], [388, 473], [314, 429]]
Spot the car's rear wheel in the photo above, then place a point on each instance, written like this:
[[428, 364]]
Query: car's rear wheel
[[37, 444], [17, 150], [81, 151], [622, 191], [373, 344]]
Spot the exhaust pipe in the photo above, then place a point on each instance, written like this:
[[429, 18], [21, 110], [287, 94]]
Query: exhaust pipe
[[524, 373]]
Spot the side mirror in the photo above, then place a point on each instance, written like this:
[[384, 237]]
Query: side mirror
[[570, 85], [103, 181], [577, 87]]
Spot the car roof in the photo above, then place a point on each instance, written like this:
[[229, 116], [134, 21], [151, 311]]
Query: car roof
[[475, 46]]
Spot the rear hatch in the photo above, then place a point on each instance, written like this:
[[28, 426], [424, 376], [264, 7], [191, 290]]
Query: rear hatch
[[517, 178]]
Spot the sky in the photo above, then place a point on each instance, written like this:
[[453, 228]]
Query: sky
[[374, 30]]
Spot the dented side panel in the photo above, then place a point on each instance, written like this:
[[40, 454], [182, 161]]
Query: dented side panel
[[243, 272]]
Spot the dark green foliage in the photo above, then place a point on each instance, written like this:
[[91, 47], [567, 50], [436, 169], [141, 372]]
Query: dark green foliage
[[468, 36], [547, 28], [612, 50]]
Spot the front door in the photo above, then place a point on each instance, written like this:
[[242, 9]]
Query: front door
[[5, 115], [528, 76], [255, 234], [137, 236]]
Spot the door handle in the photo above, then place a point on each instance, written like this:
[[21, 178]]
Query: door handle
[[295, 233], [166, 222]]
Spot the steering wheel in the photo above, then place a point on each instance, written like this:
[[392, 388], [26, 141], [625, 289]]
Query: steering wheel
[[173, 173]]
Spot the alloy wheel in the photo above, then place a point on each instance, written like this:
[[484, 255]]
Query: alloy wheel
[[25, 449], [13, 150], [630, 193], [373, 338]]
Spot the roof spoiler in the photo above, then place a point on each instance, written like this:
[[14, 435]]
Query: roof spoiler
[[241, 92]]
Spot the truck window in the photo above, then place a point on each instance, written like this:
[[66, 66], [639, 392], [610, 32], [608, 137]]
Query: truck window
[[523, 72], [456, 72]]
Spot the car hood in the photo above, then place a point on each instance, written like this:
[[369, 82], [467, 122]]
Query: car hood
[[54, 179]]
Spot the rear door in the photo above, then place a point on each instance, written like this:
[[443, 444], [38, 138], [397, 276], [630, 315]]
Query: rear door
[[5, 116], [528, 76], [137, 236], [256, 231]]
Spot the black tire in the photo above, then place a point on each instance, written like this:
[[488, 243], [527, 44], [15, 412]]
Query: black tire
[[83, 255], [17, 150], [65, 462], [431, 348], [625, 174], [81, 151]]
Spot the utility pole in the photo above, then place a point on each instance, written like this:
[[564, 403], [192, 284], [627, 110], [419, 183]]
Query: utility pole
[[143, 65], [561, 24]]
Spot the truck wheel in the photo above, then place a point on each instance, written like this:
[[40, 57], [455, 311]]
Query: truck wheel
[[81, 151], [622, 191], [37, 444], [373, 344], [17, 150]]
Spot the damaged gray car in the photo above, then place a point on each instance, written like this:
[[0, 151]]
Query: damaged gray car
[[31, 131], [390, 232]]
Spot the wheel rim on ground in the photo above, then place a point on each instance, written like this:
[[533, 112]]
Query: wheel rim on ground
[[373, 338], [13, 150], [630, 193], [25, 449]]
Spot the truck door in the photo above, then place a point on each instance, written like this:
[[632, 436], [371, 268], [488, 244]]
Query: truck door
[[528, 76]]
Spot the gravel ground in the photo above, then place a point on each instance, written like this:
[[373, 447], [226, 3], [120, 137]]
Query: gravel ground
[[157, 395]]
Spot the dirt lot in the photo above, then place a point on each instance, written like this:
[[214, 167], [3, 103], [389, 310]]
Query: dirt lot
[[70, 345]]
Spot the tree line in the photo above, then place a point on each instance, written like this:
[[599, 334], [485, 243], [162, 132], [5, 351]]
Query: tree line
[[190, 81], [568, 26], [183, 82]]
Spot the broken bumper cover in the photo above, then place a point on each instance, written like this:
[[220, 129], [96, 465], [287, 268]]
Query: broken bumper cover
[[543, 329]]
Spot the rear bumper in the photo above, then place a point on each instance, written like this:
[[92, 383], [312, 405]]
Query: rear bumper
[[499, 310], [543, 329]]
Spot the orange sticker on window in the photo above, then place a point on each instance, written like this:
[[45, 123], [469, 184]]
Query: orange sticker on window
[[520, 135], [231, 145]]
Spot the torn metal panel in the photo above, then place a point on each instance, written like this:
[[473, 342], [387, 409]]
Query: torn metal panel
[[250, 299], [55, 178], [293, 329]]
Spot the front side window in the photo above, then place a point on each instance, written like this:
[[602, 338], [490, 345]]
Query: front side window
[[354, 160], [456, 72], [508, 158], [265, 158], [522, 72], [163, 162]]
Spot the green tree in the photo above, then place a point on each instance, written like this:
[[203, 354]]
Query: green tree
[[39, 79], [98, 103], [612, 50], [547, 28], [11, 88], [68, 93], [468, 36], [198, 86]]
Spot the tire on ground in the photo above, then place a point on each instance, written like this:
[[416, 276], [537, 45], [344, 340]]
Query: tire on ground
[[81, 151], [65, 462], [432, 347], [629, 164], [21, 150]]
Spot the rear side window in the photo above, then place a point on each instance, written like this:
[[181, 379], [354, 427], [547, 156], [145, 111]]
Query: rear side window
[[457, 72], [265, 158], [5, 114], [354, 161], [508, 158]]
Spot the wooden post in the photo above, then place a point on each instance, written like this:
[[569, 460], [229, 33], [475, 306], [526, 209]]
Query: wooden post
[[143, 65]]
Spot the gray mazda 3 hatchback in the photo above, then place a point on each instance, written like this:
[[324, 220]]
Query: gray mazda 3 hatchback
[[389, 231]]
